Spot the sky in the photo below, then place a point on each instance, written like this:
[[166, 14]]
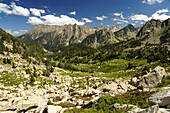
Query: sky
[[20, 16]]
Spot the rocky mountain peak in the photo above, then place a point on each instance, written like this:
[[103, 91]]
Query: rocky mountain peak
[[115, 28]]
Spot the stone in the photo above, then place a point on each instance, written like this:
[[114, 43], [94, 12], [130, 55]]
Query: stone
[[134, 81], [120, 106], [152, 109], [53, 109], [161, 98], [107, 88], [153, 78]]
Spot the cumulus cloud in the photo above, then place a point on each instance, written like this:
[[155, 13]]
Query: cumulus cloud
[[54, 20], [101, 18], [120, 20], [5, 9], [87, 20], [151, 2], [14, 9], [37, 12], [139, 17], [158, 15], [119, 14], [16, 33], [34, 21], [162, 11], [73, 13], [18, 10]]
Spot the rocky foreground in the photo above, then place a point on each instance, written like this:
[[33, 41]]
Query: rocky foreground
[[70, 93]]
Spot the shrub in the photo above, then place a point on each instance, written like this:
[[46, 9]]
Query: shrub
[[32, 80], [46, 73]]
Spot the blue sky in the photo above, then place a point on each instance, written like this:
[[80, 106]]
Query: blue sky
[[19, 16]]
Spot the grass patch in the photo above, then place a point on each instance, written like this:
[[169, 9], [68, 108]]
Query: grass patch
[[10, 79], [107, 75], [106, 103], [111, 66]]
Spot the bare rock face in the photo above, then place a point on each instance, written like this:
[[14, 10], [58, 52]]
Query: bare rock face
[[152, 78], [161, 98], [52, 36], [126, 33], [154, 31]]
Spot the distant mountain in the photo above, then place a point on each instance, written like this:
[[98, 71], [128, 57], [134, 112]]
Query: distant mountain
[[126, 33], [110, 36], [52, 36], [102, 37], [10, 44], [153, 32]]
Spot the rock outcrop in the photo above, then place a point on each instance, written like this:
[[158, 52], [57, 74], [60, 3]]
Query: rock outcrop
[[52, 36], [151, 79], [161, 98]]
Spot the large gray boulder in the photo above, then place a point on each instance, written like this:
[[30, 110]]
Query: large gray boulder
[[153, 78], [161, 98], [152, 109]]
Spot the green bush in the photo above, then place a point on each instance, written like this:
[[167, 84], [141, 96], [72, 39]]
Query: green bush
[[46, 73], [105, 104]]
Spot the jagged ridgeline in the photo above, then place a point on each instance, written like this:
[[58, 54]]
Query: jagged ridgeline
[[153, 32], [52, 36], [10, 44]]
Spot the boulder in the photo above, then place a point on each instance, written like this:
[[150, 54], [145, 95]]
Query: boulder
[[161, 98], [109, 87], [152, 78], [152, 109], [54, 109], [134, 81]]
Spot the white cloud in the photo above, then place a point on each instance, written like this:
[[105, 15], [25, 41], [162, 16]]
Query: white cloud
[[87, 20], [151, 2], [5, 9], [162, 11], [37, 12], [18, 10], [16, 33], [45, 7], [157, 15], [73, 13], [13, 9], [17, 0], [35, 21], [121, 20], [54, 20], [119, 14], [160, 16], [139, 17], [101, 18]]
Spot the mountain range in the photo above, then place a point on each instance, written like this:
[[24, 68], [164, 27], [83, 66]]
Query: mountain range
[[152, 32]]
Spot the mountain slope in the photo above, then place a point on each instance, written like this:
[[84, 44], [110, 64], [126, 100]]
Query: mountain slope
[[110, 36], [127, 32], [155, 31], [10, 44], [52, 36], [99, 38]]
